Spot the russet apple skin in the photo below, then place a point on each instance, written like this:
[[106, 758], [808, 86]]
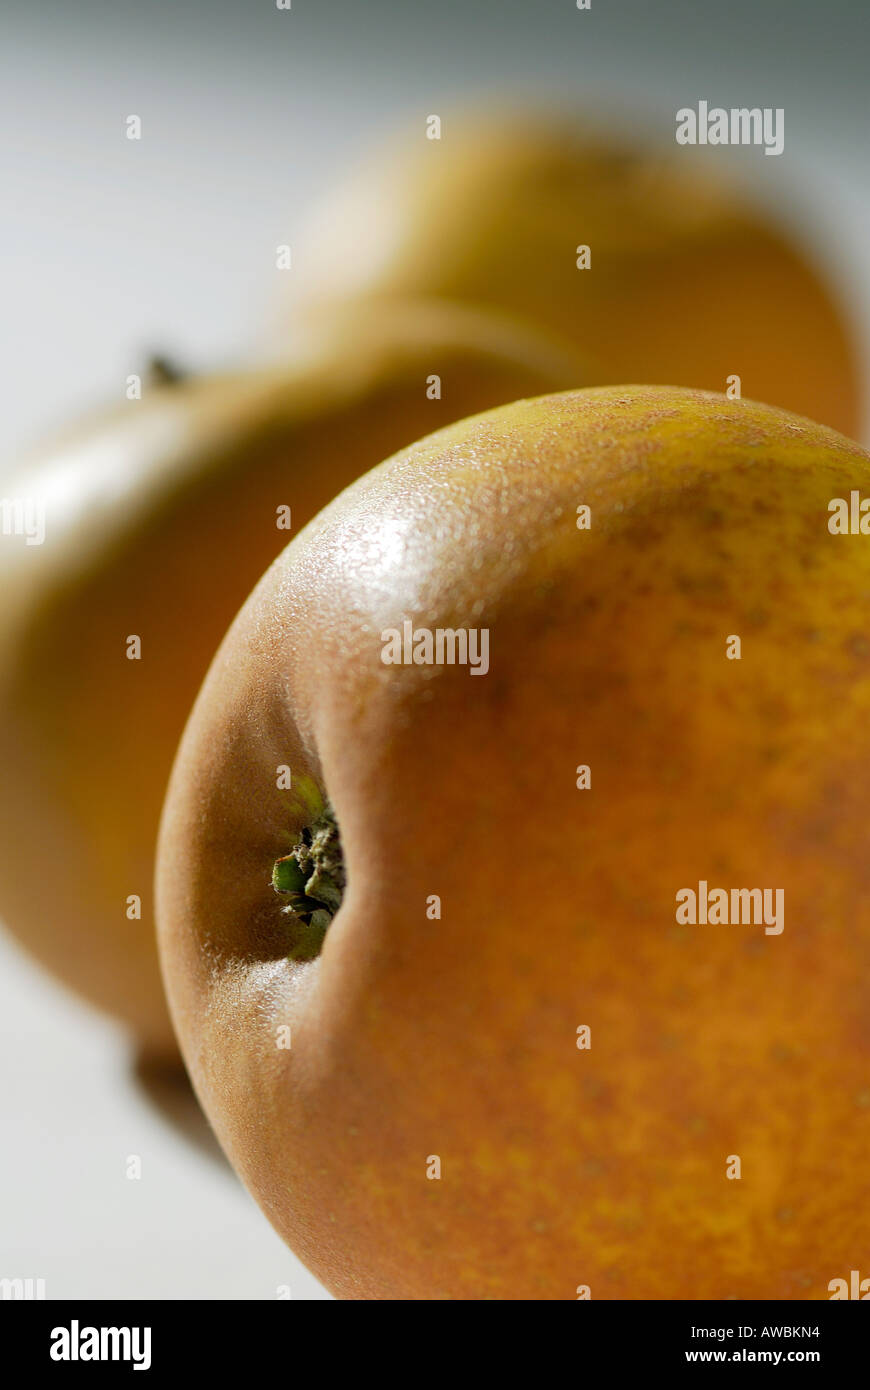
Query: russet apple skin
[[689, 283], [413, 1037], [160, 518]]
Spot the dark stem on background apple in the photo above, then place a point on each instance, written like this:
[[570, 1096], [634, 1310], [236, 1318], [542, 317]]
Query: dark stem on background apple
[[164, 371], [312, 880]]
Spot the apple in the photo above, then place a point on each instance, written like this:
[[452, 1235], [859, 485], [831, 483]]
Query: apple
[[688, 283], [441, 994], [158, 520]]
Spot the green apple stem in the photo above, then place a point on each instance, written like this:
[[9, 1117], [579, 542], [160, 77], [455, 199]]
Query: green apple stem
[[312, 879]]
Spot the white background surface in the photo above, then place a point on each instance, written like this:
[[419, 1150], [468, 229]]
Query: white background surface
[[112, 249]]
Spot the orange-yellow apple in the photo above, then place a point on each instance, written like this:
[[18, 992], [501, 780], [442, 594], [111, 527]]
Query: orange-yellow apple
[[687, 282], [464, 1002], [157, 521]]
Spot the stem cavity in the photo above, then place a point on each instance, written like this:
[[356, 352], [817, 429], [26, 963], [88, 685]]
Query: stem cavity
[[311, 879]]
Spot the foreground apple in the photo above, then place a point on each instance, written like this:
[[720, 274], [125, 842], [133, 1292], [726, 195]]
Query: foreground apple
[[392, 1045], [687, 282], [158, 521]]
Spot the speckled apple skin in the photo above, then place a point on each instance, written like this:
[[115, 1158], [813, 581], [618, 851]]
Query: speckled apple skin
[[415, 1037]]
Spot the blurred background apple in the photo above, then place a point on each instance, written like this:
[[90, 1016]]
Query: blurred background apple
[[658, 270]]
